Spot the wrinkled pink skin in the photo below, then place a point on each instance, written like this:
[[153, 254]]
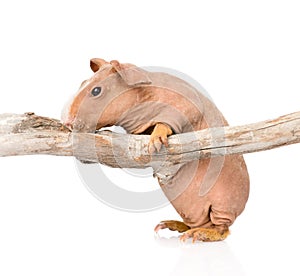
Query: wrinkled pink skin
[[209, 193]]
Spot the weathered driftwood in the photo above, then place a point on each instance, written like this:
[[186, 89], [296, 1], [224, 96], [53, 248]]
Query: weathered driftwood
[[29, 134]]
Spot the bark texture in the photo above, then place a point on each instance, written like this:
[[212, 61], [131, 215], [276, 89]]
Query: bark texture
[[29, 134]]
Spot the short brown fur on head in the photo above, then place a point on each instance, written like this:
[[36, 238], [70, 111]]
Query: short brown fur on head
[[131, 74], [113, 79]]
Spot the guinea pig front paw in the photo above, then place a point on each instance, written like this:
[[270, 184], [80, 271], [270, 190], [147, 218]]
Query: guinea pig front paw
[[159, 137]]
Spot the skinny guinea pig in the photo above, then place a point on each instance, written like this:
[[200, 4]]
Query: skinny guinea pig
[[208, 194]]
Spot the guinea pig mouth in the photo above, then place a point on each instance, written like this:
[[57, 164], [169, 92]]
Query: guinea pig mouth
[[76, 125]]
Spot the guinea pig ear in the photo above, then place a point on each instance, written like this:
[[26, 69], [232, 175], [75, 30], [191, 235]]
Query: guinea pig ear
[[131, 74], [96, 63]]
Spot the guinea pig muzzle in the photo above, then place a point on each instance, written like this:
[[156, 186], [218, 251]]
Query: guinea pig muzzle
[[69, 123]]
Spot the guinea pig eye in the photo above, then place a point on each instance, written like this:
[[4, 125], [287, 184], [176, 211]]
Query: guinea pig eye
[[96, 91]]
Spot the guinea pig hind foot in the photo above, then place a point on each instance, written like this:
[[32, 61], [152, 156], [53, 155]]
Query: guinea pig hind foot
[[205, 234], [172, 225]]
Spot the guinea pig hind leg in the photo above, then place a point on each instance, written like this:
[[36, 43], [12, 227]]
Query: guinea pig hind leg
[[172, 225], [206, 234], [158, 137]]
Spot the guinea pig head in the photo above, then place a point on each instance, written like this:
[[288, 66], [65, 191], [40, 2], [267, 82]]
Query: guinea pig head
[[103, 98]]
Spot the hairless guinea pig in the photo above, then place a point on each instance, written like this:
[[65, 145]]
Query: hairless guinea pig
[[208, 194]]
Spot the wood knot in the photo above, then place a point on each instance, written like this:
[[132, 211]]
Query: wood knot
[[29, 113]]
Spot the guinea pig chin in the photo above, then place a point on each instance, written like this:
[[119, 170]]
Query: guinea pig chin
[[77, 125], [81, 126]]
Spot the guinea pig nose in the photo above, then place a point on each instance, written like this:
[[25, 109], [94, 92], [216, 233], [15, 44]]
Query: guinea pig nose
[[69, 123]]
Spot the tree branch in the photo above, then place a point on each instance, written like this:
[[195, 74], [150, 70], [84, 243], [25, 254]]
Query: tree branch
[[29, 134]]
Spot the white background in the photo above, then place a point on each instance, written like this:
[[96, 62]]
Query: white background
[[246, 55]]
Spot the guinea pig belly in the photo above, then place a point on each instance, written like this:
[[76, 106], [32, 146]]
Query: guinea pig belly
[[220, 204]]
